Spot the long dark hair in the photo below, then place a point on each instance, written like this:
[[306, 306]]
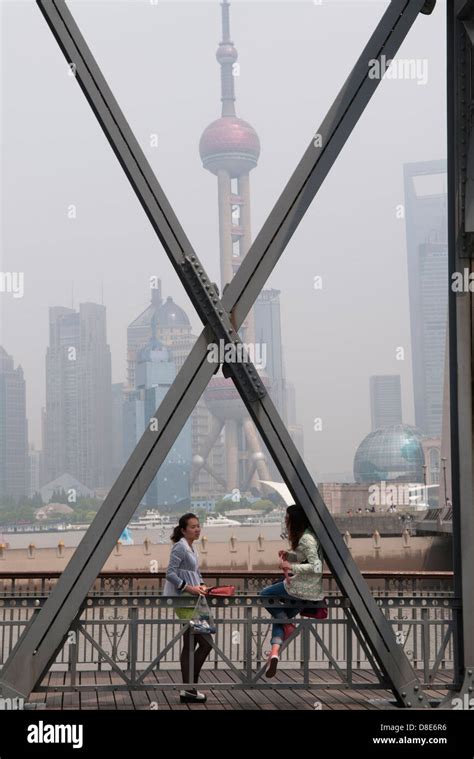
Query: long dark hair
[[298, 522], [177, 533]]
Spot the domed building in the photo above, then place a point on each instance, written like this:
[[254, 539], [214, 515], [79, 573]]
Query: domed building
[[170, 316], [393, 454], [164, 321], [173, 328]]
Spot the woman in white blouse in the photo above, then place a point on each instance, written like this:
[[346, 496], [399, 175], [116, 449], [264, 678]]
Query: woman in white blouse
[[184, 578]]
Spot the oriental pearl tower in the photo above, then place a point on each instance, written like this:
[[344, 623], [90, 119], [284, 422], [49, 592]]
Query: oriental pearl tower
[[229, 149]]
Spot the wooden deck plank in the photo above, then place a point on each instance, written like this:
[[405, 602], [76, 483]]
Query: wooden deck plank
[[334, 699], [105, 699], [119, 696], [88, 698], [71, 701], [260, 698], [38, 699], [446, 675], [156, 677], [268, 699], [208, 678], [242, 697], [159, 694], [284, 699], [240, 704], [122, 697], [377, 698], [293, 697], [205, 685], [325, 697], [306, 694], [155, 697], [53, 700], [140, 700], [362, 697], [311, 697]]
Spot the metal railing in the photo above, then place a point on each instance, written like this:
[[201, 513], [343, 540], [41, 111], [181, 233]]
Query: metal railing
[[127, 627]]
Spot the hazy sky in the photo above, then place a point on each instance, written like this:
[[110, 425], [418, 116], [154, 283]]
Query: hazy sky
[[159, 61]]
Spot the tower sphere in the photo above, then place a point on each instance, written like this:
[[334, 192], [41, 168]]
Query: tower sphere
[[230, 144], [226, 53], [223, 399]]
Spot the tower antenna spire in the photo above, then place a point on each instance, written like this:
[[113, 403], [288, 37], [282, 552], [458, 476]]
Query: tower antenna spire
[[227, 56], [225, 21]]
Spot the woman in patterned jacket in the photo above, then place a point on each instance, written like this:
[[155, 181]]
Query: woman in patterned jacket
[[303, 568]]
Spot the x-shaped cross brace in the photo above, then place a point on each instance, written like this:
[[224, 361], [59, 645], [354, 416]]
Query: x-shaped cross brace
[[222, 317]]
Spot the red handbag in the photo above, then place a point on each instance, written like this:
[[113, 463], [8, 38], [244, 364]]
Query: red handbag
[[315, 613], [319, 614], [221, 590]]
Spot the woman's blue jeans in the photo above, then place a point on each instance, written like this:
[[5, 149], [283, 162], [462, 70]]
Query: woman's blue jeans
[[278, 589]]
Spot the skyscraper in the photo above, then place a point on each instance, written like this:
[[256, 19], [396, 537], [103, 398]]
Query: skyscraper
[[434, 307], [427, 250], [385, 400], [35, 466], [166, 322], [296, 430], [229, 149], [78, 425], [154, 374], [140, 331], [14, 470], [118, 453], [268, 336], [268, 340]]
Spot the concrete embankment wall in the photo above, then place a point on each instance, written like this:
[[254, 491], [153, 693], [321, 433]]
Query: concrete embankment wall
[[392, 553]]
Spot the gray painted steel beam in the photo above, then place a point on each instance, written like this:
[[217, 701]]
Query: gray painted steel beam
[[38, 646], [460, 73]]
